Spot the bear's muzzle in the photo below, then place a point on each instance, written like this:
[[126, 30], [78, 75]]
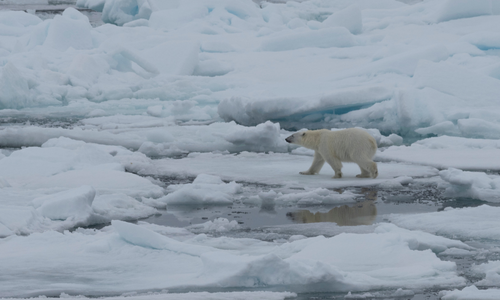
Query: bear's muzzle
[[289, 139]]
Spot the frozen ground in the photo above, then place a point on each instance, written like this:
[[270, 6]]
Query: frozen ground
[[145, 158]]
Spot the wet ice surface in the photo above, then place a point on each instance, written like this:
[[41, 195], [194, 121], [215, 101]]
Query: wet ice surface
[[118, 125]]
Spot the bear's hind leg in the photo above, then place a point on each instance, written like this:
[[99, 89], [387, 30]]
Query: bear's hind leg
[[364, 173], [316, 166], [368, 169], [336, 165]]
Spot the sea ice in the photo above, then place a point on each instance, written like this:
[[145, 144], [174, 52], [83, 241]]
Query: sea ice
[[210, 89], [447, 152], [470, 293], [466, 223], [476, 185], [205, 189], [140, 255]]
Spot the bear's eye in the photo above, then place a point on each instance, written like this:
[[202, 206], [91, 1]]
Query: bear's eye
[[303, 133]]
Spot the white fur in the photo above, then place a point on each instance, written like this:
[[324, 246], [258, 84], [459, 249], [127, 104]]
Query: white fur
[[334, 147]]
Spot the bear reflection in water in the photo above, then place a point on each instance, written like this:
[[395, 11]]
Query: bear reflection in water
[[361, 213]]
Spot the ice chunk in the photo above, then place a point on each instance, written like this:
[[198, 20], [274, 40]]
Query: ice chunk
[[121, 207], [18, 18], [460, 82], [205, 189], [322, 260], [36, 136], [384, 141], [143, 237], [71, 29], [263, 137], [469, 293], [476, 185], [19, 220], [174, 18], [155, 111], [212, 67], [120, 12], [302, 38], [96, 5], [217, 225], [87, 69], [173, 57], [349, 18], [446, 152], [479, 128], [105, 179], [466, 223], [396, 183], [483, 40], [254, 111], [14, 88], [75, 203], [443, 128], [492, 271], [457, 9]]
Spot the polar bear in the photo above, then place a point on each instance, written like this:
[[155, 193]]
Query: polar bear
[[334, 147]]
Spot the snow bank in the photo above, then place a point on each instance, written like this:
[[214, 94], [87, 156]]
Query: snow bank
[[205, 189], [474, 185], [466, 223]]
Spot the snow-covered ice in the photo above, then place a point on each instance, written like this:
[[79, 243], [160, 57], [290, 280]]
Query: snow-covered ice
[[175, 113]]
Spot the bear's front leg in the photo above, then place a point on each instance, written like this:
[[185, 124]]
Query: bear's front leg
[[316, 166]]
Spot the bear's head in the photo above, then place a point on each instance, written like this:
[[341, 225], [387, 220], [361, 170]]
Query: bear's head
[[296, 138]]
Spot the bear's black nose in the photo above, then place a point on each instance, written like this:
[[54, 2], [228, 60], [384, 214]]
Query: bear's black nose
[[289, 139]]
